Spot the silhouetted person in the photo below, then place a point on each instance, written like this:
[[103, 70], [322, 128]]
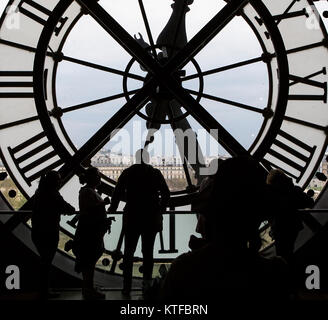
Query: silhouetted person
[[230, 268], [88, 243], [286, 221], [201, 205], [47, 208], [146, 194]]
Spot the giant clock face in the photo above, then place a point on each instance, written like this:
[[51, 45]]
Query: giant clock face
[[251, 74]]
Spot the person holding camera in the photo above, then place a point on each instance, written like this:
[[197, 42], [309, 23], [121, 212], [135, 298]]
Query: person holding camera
[[88, 245]]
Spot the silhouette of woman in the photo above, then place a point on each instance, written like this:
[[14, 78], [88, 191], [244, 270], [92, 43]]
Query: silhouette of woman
[[47, 208], [89, 237]]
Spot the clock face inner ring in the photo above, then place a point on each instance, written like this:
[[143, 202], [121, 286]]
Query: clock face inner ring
[[160, 97], [267, 112]]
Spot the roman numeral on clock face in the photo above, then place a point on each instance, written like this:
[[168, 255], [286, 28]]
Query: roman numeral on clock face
[[34, 157], [16, 84], [290, 155], [308, 80], [38, 13], [287, 13], [290, 14]]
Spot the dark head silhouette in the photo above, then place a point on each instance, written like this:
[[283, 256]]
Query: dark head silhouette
[[238, 203], [91, 177], [49, 181], [239, 184], [142, 156], [278, 178]]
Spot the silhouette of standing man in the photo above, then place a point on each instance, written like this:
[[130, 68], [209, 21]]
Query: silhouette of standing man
[[146, 194]]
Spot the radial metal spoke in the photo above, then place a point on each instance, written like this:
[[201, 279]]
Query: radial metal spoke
[[224, 68], [201, 39], [106, 132], [149, 34], [215, 129], [55, 55], [226, 101], [18, 122], [102, 68], [163, 75], [98, 101]]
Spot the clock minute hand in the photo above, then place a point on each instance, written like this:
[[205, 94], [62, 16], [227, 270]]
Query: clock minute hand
[[208, 32], [173, 37], [162, 77]]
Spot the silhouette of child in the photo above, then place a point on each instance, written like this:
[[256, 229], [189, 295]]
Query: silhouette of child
[[47, 207], [230, 268], [286, 222], [88, 243]]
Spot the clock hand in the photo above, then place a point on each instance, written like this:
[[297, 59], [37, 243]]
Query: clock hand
[[171, 39], [141, 40], [195, 157], [163, 75], [166, 41], [174, 36], [143, 44], [205, 35]]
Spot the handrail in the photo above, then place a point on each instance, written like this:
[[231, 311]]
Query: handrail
[[3, 212]]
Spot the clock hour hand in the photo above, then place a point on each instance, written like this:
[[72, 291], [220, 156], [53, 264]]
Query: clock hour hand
[[157, 115], [162, 77], [141, 40], [182, 129]]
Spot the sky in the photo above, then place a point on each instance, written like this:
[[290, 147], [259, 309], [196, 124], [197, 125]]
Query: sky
[[88, 41], [88, 34]]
